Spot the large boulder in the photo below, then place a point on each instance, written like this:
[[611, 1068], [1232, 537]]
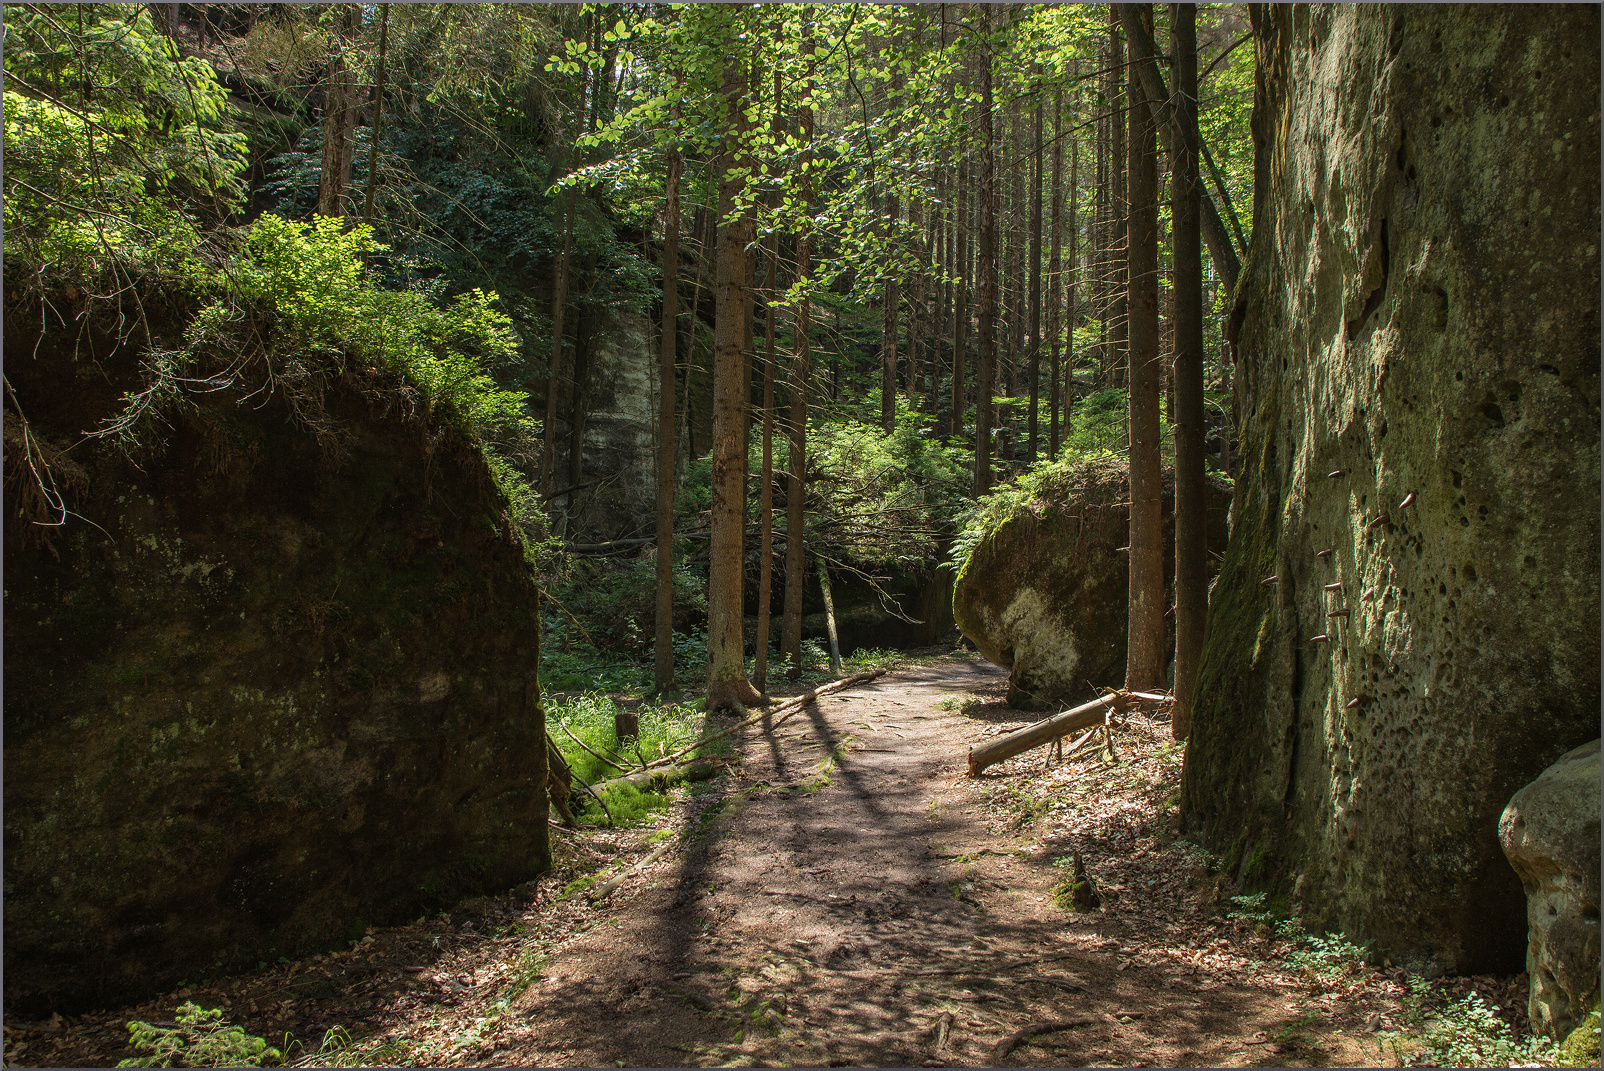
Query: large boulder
[[1044, 593], [262, 691], [1417, 378], [1550, 832]]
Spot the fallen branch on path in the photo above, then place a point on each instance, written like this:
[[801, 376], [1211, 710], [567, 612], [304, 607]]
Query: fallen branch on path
[[1047, 730], [1012, 1041], [605, 889], [795, 703], [943, 1031]]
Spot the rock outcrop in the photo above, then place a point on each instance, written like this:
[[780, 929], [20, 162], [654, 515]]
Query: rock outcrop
[[1044, 593], [1550, 832], [1417, 385], [261, 691]]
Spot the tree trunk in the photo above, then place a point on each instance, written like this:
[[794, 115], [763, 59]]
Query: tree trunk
[[1072, 314], [765, 575], [960, 299], [1035, 281], [1144, 666], [727, 686], [888, 339], [339, 116], [559, 305], [1191, 544], [795, 490], [829, 617], [1120, 206], [1055, 268], [1144, 65], [988, 276], [378, 113], [663, 662]]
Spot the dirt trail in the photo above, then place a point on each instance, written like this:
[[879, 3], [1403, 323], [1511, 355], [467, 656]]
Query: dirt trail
[[880, 919], [846, 897]]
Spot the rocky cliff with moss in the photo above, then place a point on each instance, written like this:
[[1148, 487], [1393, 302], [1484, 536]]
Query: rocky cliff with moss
[[1418, 344], [1045, 589], [273, 681]]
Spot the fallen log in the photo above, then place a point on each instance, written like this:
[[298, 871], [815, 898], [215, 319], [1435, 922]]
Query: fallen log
[[1045, 731], [690, 771]]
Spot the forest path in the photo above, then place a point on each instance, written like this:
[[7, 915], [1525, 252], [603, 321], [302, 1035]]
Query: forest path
[[850, 899], [846, 896]]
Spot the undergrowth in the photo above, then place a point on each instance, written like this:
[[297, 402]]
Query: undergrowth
[[200, 1037]]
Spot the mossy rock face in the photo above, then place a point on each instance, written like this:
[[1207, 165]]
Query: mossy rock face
[[1418, 401], [1045, 593], [275, 693], [1581, 1048]]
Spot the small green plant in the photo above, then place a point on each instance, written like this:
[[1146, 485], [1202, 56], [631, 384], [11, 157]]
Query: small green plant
[[1250, 908], [1329, 959], [201, 1038], [1467, 1033]]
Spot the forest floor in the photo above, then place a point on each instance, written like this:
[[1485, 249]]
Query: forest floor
[[845, 897]]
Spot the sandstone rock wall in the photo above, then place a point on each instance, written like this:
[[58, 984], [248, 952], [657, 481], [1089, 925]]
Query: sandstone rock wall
[[269, 696], [1045, 593], [1418, 393]]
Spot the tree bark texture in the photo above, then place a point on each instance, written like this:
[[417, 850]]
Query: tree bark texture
[[1034, 345], [727, 686], [1145, 647], [797, 426], [987, 195], [1055, 268], [663, 660], [1191, 533]]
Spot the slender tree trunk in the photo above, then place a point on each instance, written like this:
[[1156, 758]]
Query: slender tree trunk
[[1191, 540], [797, 429], [1145, 66], [663, 663], [765, 574], [1119, 314], [378, 113], [727, 686], [1144, 667], [1035, 280], [339, 115], [888, 337], [960, 306], [559, 305], [1072, 314], [988, 277], [1055, 268], [829, 618]]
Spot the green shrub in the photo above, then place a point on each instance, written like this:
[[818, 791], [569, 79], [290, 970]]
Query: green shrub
[[1468, 1034], [201, 1038]]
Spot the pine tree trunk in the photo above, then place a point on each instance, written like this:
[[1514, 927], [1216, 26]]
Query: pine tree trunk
[[1191, 541], [339, 115], [727, 686], [988, 277], [1072, 314], [1034, 345], [663, 662], [1119, 312], [1144, 667], [1055, 268], [797, 429], [765, 575], [888, 340], [960, 299], [559, 305], [378, 113]]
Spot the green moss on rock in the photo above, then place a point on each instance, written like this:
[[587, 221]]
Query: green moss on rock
[[284, 689]]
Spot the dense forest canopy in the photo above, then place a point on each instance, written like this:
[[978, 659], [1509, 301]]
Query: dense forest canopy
[[499, 173]]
